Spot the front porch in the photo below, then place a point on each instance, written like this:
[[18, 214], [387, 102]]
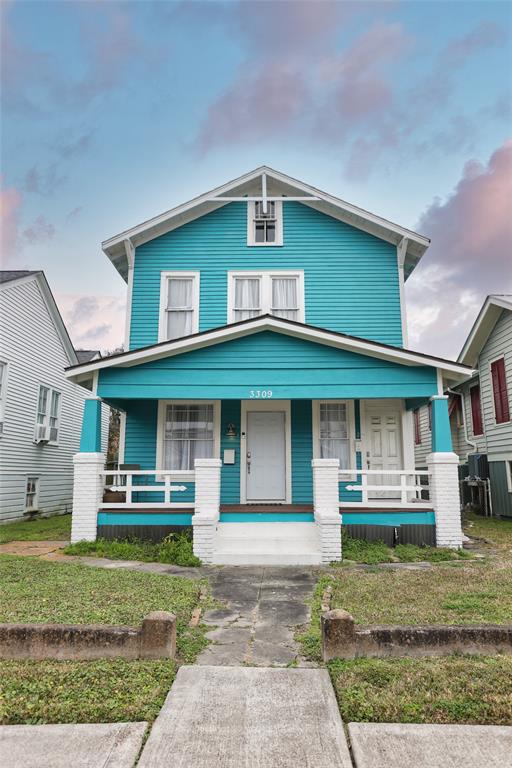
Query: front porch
[[269, 412]]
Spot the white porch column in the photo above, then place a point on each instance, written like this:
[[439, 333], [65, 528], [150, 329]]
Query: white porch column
[[207, 505], [87, 495], [327, 507], [445, 498]]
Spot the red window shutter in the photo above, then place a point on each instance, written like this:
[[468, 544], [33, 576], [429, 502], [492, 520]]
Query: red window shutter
[[476, 410], [499, 390], [417, 433]]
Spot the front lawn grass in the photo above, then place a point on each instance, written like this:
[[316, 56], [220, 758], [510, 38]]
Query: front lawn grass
[[375, 552], [56, 528], [451, 689], [35, 590], [175, 549]]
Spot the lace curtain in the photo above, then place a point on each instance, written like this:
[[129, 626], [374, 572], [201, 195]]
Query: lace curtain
[[334, 439], [188, 435]]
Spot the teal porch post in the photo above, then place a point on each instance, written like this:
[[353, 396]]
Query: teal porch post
[[441, 432], [90, 440]]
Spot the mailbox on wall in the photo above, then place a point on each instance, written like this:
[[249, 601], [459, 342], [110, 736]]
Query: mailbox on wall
[[229, 456]]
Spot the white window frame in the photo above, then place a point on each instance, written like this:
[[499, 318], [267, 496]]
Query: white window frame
[[47, 415], [492, 360], [265, 277], [162, 317], [160, 431], [350, 428], [251, 231], [35, 505], [3, 393]]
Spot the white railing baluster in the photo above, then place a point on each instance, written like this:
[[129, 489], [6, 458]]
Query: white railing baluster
[[403, 489], [166, 482], [167, 490], [364, 488], [129, 480]]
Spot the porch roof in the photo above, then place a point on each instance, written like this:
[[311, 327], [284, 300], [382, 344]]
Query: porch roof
[[449, 369]]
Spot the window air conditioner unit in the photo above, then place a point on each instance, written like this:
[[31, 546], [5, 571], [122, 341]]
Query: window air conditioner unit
[[42, 434]]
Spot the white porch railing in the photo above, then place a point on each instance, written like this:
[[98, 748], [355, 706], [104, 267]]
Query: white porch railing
[[166, 482], [407, 492]]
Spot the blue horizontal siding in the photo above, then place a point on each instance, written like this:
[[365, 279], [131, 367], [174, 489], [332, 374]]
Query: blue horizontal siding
[[292, 368], [388, 518], [351, 277], [143, 518]]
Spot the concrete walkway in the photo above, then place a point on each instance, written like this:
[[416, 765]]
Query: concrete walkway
[[263, 608], [225, 717]]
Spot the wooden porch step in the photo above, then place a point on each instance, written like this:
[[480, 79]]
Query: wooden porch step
[[280, 509]]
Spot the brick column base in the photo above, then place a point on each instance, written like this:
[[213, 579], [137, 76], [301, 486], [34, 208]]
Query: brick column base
[[445, 498], [87, 495]]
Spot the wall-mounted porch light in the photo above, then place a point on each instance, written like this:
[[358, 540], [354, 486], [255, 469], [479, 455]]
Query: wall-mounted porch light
[[231, 430]]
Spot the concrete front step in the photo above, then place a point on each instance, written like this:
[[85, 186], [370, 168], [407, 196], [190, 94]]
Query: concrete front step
[[267, 544]]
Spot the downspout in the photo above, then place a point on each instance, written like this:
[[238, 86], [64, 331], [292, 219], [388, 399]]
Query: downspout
[[464, 423]]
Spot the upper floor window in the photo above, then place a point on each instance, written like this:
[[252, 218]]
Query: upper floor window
[[265, 227], [48, 415], [251, 294], [179, 305], [476, 410], [499, 390], [3, 392]]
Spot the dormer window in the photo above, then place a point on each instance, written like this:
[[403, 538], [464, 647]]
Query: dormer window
[[265, 223]]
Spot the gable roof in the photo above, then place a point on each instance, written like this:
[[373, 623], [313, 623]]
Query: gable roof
[[482, 328], [120, 247], [8, 277], [453, 371]]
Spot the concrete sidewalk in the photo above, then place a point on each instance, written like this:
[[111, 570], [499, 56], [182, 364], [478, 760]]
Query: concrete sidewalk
[[248, 717], [113, 745]]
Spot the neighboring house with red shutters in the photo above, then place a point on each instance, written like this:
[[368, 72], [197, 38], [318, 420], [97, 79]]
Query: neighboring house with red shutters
[[481, 407]]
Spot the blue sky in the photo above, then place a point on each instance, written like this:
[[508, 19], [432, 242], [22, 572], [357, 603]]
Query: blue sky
[[114, 112]]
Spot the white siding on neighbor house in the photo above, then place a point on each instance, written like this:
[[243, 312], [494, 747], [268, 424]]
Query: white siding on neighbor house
[[33, 349], [422, 450], [499, 344]]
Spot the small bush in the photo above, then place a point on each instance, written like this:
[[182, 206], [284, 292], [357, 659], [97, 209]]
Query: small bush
[[175, 549]]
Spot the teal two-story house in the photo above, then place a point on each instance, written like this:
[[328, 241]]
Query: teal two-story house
[[267, 387]]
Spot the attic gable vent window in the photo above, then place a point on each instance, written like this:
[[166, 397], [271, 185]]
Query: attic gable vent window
[[265, 227]]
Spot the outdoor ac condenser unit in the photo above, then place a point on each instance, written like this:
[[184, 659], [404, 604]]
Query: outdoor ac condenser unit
[[478, 465]]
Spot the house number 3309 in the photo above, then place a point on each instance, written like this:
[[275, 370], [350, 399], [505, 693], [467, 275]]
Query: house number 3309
[[260, 393]]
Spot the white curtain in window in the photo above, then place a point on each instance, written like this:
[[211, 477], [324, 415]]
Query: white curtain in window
[[188, 435], [54, 415], [284, 297], [247, 298], [180, 307], [334, 439]]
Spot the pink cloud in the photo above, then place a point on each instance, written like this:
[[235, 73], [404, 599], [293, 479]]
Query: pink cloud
[[470, 255], [10, 204], [93, 322]]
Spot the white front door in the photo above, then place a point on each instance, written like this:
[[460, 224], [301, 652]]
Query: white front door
[[383, 447], [265, 463]]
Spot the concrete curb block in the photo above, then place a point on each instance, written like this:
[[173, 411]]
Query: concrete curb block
[[342, 639], [155, 639]]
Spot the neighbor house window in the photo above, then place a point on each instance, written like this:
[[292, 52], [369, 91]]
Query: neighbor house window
[[476, 410], [266, 293], [417, 429], [499, 390], [334, 439], [179, 305], [188, 434], [3, 393], [48, 415], [32, 494], [508, 470], [265, 227], [430, 417]]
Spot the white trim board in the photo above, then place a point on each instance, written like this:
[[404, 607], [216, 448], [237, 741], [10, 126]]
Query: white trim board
[[453, 371], [482, 328], [247, 185]]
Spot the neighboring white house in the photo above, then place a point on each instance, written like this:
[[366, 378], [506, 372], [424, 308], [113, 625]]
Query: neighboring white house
[[40, 409], [481, 406]]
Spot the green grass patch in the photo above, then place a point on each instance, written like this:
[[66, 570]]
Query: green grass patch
[[375, 552], [370, 552], [175, 549], [116, 690], [493, 530], [57, 528], [36, 590], [310, 638], [451, 689]]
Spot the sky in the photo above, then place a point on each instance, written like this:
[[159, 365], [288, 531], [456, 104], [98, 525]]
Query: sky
[[114, 112]]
